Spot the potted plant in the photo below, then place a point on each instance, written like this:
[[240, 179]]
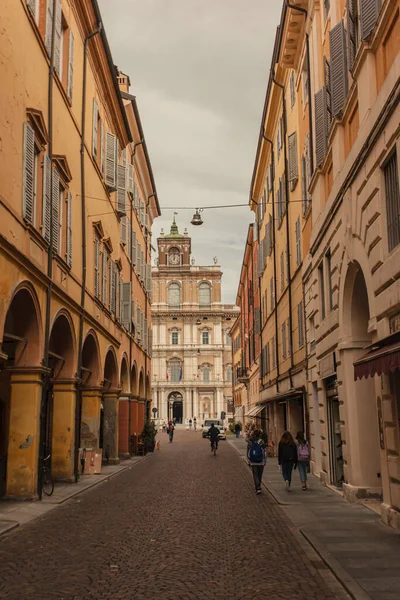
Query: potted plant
[[148, 436]]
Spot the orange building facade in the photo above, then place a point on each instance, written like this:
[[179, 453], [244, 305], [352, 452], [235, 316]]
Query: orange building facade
[[77, 202]]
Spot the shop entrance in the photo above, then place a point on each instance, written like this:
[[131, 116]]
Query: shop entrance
[[335, 436]]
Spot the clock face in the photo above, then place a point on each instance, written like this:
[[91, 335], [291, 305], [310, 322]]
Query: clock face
[[174, 259]]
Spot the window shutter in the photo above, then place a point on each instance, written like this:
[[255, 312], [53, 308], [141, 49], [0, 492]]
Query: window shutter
[[102, 147], [293, 165], [145, 334], [46, 198], [123, 157], [298, 245], [351, 33], [327, 96], [134, 247], [292, 90], [97, 267], [56, 213], [111, 151], [138, 323], [69, 229], [128, 248], [304, 183], [136, 198], [113, 286], [300, 322], [121, 284], [121, 189], [127, 305], [308, 160], [269, 178], [28, 174], [49, 26], [57, 41], [284, 340], [123, 230], [130, 179], [286, 262], [320, 127], [289, 340], [369, 13], [282, 272], [338, 68], [70, 76], [95, 125], [31, 4], [134, 312], [104, 291]]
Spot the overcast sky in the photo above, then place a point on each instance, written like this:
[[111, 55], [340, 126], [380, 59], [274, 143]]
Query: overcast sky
[[199, 70]]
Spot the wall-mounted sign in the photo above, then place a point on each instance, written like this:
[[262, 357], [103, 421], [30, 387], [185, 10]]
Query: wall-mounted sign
[[327, 366], [394, 323]]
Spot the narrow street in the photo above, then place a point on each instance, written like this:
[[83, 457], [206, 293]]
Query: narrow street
[[180, 525]]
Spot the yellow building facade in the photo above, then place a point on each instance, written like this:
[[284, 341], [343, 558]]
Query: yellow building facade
[[77, 201]]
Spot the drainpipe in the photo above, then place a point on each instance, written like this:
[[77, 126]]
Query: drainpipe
[[260, 301], [78, 406], [147, 300], [284, 114], [275, 268], [305, 13], [49, 291], [130, 337]]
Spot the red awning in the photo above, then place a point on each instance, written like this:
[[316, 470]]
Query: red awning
[[377, 361]]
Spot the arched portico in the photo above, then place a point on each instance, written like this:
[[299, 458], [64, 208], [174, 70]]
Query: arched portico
[[20, 394], [91, 392], [109, 422], [124, 409]]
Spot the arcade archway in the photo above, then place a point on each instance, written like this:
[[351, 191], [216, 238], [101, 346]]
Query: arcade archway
[[175, 407]]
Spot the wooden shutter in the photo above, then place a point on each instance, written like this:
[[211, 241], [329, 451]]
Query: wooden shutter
[[320, 127], [282, 272], [70, 75], [284, 340], [28, 174], [300, 324], [95, 128], [110, 174], [57, 41], [97, 267], [338, 68], [298, 245], [352, 26], [134, 247], [121, 285], [121, 189], [130, 179], [31, 4], [126, 317], [304, 183], [69, 229], [123, 230], [293, 164], [327, 96], [286, 262], [56, 212], [138, 323], [113, 286], [369, 13], [46, 197], [289, 338], [104, 290], [102, 147], [49, 26]]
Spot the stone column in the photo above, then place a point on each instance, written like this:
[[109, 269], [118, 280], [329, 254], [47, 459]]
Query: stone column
[[123, 426], [90, 428], [23, 445], [196, 410], [134, 416], [141, 415], [63, 433], [111, 424]]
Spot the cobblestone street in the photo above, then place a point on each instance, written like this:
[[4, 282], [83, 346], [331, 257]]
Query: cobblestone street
[[180, 525]]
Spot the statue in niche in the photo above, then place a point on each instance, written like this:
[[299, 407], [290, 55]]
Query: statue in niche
[[215, 259]]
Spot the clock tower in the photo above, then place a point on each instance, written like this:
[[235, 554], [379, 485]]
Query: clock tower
[[174, 249]]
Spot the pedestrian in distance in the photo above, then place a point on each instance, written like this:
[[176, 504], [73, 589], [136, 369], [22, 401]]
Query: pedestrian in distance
[[256, 456], [190, 423], [171, 430], [195, 423], [303, 458], [237, 429], [287, 457]]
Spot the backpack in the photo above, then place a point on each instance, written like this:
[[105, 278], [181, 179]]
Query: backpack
[[303, 452], [256, 453]]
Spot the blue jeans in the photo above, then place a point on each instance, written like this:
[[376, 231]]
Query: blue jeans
[[287, 468], [302, 465]]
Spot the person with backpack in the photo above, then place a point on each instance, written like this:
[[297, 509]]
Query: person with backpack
[[257, 457], [171, 430], [303, 458], [287, 457]]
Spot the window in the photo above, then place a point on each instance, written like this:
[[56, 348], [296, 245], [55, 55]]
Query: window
[[97, 267], [322, 289], [273, 353], [104, 295], [292, 90], [206, 374], [353, 36], [174, 294], [272, 293], [298, 242], [31, 155], [205, 337], [95, 133], [229, 373], [284, 340], [306, 83], [204, 294], [391, 175], [282, 261], [174, 338], [175, 366], [329, 279], [288, 327], [293, 162], [300, 320]]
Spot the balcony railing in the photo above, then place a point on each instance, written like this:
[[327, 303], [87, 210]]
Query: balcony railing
[[242, 374]]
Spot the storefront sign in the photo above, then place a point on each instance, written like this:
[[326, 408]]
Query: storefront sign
[[327, 366], [394, 323]]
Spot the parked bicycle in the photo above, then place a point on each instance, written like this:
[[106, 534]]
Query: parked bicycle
[[48, 481]]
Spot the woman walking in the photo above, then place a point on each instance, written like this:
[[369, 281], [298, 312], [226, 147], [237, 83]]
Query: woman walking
[[287, 457], [303, 458]]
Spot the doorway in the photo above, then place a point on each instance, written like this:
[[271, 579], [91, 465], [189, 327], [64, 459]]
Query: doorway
[[335, 436], [177, 411]]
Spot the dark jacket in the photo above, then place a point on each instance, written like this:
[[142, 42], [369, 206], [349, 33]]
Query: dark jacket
[[287, 453], [213, 433]]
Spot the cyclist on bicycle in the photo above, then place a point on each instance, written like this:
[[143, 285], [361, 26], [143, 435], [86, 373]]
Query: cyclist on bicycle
[[213, 432]]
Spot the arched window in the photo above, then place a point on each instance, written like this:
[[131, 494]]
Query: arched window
[[204, 294], [174, 294], [206, 374], [229, 373], [175, 367]]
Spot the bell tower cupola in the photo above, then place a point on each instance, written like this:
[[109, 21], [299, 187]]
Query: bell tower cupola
[[174, 249]]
